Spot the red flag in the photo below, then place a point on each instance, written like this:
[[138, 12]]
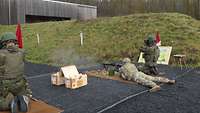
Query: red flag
[[158, 41], [19, 36]]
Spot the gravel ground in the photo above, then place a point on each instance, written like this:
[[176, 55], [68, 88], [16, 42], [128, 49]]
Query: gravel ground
[[98, 94], [182, 97]]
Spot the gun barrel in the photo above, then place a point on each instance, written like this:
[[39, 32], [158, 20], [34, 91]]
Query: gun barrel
[[112, 66]]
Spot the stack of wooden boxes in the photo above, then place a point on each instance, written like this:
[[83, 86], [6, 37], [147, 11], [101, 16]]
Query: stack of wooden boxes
[[69, 76]]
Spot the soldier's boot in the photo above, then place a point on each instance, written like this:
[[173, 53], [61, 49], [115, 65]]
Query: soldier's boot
[[155, 88], [14, 106], [23, 103], [171, 81], [154, 71], [144, 69]]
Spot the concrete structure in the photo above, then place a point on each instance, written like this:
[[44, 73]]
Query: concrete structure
[[29, 11]]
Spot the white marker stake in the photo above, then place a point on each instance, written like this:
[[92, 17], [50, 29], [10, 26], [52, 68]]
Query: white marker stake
[[81, 36], [38, 39]]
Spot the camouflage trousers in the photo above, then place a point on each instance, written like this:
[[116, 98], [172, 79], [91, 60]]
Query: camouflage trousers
[[11, 88], [149, 69], [148, 80]]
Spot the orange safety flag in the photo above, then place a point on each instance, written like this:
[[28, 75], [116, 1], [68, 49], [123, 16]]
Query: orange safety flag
[[19, 36], [158, 41]]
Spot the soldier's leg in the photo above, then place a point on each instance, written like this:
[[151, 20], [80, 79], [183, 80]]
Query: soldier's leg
[[141, 79], [164, 80], [159, 79], [147, 67], [21, 88], [145, 80], [23, 94], [150, 66], [5, 102], [5, 96], [153, 70]]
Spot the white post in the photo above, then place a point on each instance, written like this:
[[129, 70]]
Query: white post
[[81, 37], [38, 39], [9, 13]]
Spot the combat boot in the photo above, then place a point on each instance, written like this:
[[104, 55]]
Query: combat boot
[[23, 103], [171, 81], [154, 71], [155, 88], [13, 105]]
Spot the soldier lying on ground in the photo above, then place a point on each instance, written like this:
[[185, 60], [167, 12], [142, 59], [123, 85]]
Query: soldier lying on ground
[[151, 55], [129, 72], [14, 92]]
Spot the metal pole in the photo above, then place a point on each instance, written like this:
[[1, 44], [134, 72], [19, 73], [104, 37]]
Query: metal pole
[[9, 11], [81, 36], [38, 38]]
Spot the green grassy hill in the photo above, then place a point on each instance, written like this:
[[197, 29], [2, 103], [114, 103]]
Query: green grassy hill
[[109, 38]]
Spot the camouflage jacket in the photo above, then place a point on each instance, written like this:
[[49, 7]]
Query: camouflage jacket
[[11, 63], [150, 53], [128, 71]]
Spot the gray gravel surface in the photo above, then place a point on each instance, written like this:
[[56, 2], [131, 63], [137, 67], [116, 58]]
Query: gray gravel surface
[[100, 93], [183, 97]]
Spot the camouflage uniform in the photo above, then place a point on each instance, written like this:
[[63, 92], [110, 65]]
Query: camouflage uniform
[[129, 72], [1, 46], [151, 55], [12, 80]]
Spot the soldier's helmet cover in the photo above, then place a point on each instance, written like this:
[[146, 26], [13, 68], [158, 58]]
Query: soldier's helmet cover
[[126, 60], [150, 40], [8, 36]]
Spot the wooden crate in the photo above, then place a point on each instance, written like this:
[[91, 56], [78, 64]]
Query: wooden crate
[[57, 79], [76, 83]]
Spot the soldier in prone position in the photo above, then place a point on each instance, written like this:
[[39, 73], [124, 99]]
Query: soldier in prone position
[[129, 72], [14, 91]]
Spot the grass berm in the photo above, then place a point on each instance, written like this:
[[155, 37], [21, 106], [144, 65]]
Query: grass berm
[[109, 38]]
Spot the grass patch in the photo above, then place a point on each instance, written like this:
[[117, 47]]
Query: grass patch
[[109, 38]]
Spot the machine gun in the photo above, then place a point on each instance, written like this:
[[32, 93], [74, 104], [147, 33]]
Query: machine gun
[[113, 66]]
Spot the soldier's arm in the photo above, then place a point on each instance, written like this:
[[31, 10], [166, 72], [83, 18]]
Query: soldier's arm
[[157, 53], [121, 73], [2, 63], [23, 52], [120, 69], [146, 50], [2, 59], [143, 49], [2, 70]]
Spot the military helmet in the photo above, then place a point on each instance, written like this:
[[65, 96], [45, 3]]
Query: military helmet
[[8, 36], [150, 40], [126, 60]]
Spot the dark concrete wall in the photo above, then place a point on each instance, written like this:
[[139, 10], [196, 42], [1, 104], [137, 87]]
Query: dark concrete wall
[[4, 12], [8, 14], [40, 8]]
